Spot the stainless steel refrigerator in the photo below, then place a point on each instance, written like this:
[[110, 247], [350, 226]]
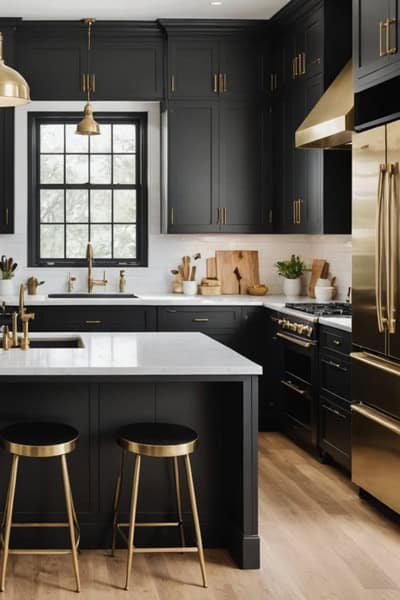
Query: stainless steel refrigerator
[[376, 326]]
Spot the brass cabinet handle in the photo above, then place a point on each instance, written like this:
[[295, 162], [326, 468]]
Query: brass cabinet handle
[[93, 83], [215, 83], [303, 62], [200, 320], [295, 341], [225, 214], [173, 84], [221, 83], [337, 342], [95, 322], [219, 216], [382, 24], [270, 216], [299, 216], [334, 364], [172, 216], [225, 80], [83, 82], [294, 211], [300, 63], [6, 216], [293, 387], [334, 411], [389, 48]]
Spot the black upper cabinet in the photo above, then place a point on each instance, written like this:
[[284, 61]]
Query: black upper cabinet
[[7, 27], [193, 69], [127, 60], [241, 66], [375, 41]]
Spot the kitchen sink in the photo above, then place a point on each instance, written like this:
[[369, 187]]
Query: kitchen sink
[[56, 343], [87, 295]]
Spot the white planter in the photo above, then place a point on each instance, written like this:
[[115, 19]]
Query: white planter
[[190, 288], [292, 287], [7, 287]]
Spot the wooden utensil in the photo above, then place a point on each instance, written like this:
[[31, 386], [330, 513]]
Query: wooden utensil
[[246, 261], [319, 266], [193, 273], [186, 267], [211, 267]]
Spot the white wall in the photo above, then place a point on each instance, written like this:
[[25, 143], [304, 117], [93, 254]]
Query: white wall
[[165, 251]]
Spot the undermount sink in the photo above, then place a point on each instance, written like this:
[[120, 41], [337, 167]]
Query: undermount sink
[[87, 295], [56, 343]]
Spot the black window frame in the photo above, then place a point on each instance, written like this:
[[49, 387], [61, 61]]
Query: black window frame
[[35, 119]]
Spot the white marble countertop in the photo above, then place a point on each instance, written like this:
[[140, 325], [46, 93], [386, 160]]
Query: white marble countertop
[[148, 353], [343, 323]]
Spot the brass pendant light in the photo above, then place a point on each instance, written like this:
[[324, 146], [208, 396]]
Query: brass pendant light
[[88, 125], [14, 91]]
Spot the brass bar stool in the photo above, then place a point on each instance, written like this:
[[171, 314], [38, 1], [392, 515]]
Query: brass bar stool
[[39, 440], [162, 440]]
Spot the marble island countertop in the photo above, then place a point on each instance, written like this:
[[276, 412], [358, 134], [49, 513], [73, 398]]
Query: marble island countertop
[[122, 354]]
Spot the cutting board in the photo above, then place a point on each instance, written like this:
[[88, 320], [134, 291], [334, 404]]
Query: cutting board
[[319, 270], [211, 267], [245, 261]]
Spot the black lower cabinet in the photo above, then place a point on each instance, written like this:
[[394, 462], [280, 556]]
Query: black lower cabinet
[[335, 431]]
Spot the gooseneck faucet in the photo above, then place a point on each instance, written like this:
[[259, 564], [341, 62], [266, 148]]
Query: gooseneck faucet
[[91, 281]]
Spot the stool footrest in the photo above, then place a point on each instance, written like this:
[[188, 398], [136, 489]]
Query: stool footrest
[[156, 524], [39, 551], [51, 524], [177, 549]]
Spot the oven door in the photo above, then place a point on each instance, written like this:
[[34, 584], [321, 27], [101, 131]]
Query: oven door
[[376, 454]]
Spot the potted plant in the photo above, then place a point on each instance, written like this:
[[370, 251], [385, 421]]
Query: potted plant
[[7, 271], [291, 270]]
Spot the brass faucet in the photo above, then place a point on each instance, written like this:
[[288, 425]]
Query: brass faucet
[[25, 318], [91, 281]]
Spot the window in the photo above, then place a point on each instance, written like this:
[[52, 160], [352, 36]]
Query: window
[[87, 189]]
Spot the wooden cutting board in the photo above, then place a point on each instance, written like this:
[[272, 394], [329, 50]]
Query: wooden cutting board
[[319, 270], [246, 263], [211, 267]]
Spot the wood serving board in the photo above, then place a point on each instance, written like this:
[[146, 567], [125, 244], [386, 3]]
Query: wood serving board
[[246, 261], [319, 270]]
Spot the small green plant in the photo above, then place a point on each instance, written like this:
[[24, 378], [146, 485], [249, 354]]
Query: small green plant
[[292, 268], [7, 267]]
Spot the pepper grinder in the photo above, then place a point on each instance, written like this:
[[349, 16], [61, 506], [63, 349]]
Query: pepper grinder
[[122, 282]]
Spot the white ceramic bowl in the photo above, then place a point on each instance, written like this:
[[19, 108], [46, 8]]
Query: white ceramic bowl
[[323, 294], [323, 283]]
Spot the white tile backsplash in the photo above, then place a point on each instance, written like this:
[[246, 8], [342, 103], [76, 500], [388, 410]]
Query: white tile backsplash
[[165, 251]]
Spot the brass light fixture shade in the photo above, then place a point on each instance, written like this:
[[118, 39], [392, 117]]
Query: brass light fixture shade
[[88, 126], [14, 90]]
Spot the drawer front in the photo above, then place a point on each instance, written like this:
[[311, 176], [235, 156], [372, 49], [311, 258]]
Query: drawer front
[[335, 340], [335, 376], [116, 318], [335, 431], [376, 455], [376, 382], [198, 319]]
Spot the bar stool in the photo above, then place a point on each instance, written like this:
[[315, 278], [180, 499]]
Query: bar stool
[[162, 440], [39, 440]]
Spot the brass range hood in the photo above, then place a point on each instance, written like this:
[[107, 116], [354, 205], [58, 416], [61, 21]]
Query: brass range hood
[[330, 123]]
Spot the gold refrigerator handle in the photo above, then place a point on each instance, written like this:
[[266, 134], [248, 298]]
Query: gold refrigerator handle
[[377, 362], [393, 246], [376, 416], [379, 246]]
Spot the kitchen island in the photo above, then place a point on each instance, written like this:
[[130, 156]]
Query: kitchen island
[[102, 381]]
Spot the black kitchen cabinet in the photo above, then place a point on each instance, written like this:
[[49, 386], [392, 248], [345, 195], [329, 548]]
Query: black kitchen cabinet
[[271, 392], [216, 167], [7, 27], [193, 69], [93, 318], [375, 41], [335, 395], [127, 60]]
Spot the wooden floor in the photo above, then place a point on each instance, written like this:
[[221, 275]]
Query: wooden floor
[[319, 542]]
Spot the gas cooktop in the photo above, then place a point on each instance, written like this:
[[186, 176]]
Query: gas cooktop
[[331, 309]]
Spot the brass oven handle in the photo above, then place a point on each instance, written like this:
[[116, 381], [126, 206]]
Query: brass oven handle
[[200, 320], [293, 387], [215, 83], [379, 235], [93, 322], [293, 340], [379, 363], [382, 24], [376, 416], [333, 411], [389, 49]]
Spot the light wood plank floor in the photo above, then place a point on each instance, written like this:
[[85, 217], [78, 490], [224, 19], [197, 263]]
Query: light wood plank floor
[[319, 542]]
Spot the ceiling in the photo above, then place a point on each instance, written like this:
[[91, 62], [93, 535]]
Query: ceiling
[[140, 10]]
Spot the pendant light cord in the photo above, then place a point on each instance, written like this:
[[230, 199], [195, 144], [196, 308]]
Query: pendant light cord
[[89, 47]]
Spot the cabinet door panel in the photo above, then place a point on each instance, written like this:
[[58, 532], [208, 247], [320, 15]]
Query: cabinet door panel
[[191, 67], [240, 166], [131, 71], [192, 167], [241, 67], [7, 170], [313, 43], [368, 14]]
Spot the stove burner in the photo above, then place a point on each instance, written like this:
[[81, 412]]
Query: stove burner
[[332, 309]]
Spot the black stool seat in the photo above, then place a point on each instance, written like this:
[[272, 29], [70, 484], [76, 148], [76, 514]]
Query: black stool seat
[[39, 439], [157, 439]]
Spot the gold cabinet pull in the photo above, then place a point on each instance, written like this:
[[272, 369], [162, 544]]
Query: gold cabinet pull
[[294, 212], [215, 83], [303, 62], [293, 387], [200, 320], [6, 216], [218, 216], [225, 80], [83, 82], [225, 212], [299, 217], [389, 48], [93, 83], [171, 216], [270, 216], [173, 84], [95, 322], [221, 83], [382, 24]]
